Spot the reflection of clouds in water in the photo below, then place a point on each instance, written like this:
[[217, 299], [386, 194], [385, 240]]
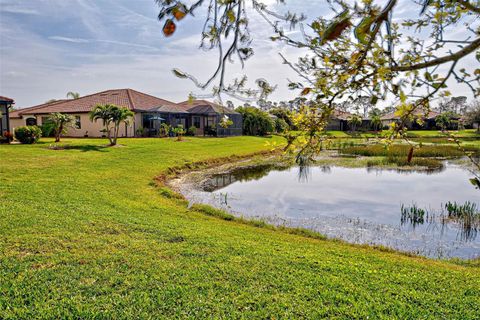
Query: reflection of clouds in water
[[356, 205]]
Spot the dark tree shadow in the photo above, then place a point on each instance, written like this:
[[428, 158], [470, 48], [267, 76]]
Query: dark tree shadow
[[82, 148]]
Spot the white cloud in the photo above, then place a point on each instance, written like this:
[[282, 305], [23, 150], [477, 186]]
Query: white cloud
[[121, 43], [16, 8], [66, 39]]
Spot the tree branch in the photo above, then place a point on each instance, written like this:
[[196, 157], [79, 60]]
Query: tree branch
[[453, 57], [466, 4]]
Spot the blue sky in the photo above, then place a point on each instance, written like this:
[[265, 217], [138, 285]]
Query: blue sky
[[50, 47]]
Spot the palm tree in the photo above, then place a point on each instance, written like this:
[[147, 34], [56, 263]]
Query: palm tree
[[354, 120], [102, 112], [111, 114], [376, 121], [60, 123], [73, 95], [119, 115]]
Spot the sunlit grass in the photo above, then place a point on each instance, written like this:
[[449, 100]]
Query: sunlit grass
[[86, 233]]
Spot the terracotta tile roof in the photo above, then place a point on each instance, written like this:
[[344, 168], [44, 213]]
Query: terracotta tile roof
[[6, 99], [418, 113], [204, 106], [30, 110], [341, 115], [168, 109], [128, 98]]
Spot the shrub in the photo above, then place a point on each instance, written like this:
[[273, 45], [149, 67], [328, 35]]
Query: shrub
[[140, 132], [6, 137], [192, 131], [255, 121], [48, 129], [284, 114], [179, 132], [28, 134], [164, 129], [281, 125]]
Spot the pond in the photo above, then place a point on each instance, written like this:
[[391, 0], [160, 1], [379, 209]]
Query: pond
[[359, 205]]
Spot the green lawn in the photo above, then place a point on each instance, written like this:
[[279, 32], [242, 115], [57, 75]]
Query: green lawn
[[84, 233]]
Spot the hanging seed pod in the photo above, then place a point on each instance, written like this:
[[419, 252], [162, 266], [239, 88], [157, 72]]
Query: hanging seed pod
[[410, 155], [336, 27], [179, 12], [169, 28]]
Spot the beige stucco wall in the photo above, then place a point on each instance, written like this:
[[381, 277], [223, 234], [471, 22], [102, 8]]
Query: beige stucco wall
[[92, 129], [15, 122]]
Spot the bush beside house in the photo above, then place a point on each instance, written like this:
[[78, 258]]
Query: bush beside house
[[28, 134], [255, 121]]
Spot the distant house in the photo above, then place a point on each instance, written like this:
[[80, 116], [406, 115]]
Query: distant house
[[5, 105], [428, 119], [150, 113], [339, 121]]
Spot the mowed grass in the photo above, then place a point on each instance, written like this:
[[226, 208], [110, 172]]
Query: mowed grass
[[85, 233]]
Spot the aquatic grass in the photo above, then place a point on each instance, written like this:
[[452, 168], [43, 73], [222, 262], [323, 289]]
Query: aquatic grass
[[399, 150], [428, 163], [413, 215], [466, 215], [456, 210], [469, 133]]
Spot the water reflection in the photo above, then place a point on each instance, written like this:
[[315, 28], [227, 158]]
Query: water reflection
[[407, 171], [251, 173], [355, 204]]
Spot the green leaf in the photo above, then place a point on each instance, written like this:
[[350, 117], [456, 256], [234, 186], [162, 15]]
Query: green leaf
[[428, 76], [475, 182], [362, 31], [179, 74]]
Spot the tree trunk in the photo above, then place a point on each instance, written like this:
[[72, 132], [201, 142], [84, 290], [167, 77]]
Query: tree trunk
[[58, 133], [109, 135], [115, 133]]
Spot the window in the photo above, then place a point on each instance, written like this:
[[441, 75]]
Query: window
[[78, 122], [31, 122], [211, 121], [45, 120], [196, 122]]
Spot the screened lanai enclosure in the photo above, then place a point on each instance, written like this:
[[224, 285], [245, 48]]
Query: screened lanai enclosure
[[205, 118], [5, 105], [173, 116]]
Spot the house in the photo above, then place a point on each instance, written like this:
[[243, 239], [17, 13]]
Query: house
[[428, 118], [338, 121], [150, 112], [80, 108], [5, 105]]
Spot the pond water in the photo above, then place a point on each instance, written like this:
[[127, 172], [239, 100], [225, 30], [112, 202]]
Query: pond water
[[359, 205]]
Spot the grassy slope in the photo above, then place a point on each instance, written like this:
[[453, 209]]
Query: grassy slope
[[85, 234]]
